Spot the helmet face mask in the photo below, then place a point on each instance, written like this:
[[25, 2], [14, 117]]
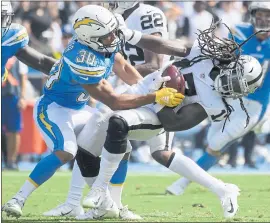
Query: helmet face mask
[[231, 83], [239, 80], [6, 17], [111, 42]]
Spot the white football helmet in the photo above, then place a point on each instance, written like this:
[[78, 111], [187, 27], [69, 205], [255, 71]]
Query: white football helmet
[[241, 79], [6, 17], [92, 24], [119, 7], [261, 22]]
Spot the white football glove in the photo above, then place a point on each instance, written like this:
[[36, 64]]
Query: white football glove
[[131, 36], [151, 83], [155, 80]]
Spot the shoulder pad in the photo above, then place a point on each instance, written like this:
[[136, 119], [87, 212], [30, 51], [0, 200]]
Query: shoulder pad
[[16, 36]]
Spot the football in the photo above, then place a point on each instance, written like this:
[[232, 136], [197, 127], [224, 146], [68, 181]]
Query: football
[[177, 80]]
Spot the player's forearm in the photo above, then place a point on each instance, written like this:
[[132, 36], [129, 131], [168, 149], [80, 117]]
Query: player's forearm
[[146, 68], [126, 101], [125, 71], [36, 60], [162, 46], [132, 75]]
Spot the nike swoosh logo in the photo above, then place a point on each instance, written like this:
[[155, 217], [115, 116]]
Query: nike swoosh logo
[[149, 11], [63, 214], [85, 78], [232, 208], [96, 203], [100, 216]]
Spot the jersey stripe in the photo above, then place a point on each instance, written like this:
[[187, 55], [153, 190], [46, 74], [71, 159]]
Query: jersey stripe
[[86, 71], [17, 38]]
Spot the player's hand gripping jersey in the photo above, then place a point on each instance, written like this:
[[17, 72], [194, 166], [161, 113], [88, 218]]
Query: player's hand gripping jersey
[[15, 39], [148, 20], [78, 65], [261, 51]]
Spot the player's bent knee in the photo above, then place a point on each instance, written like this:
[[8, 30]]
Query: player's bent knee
[[116, 140], [162, 156], [64, 156], [89, 165]]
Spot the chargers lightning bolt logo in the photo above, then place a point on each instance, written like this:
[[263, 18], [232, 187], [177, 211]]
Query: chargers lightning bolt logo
[[87, 22]]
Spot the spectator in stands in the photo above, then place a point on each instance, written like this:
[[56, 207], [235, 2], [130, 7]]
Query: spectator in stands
[[37, 20], [13, 102], [22, 10], [55, 31], [172, 11], [197, 18], [230, 14]]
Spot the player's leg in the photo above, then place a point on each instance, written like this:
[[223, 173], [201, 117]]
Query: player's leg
[[234, 129], [55, 125], [93, 143], [93, 136], [122, 124], [161, 151], [218, 140], [77, 183], [73, 200], [182, 165], [117, 181], [89, 166]]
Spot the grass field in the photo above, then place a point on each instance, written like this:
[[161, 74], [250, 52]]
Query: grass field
[[145, 195]]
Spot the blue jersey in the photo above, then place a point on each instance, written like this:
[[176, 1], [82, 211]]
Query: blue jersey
[[15, 39], [261, 51], [78, 65]]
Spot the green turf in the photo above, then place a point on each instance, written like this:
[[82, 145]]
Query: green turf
[[145, 196]]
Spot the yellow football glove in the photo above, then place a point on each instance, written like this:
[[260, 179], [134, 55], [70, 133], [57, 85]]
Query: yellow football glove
[[169, 97]]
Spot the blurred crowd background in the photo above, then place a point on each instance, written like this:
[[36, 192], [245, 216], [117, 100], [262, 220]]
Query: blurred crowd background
[[49, 27]]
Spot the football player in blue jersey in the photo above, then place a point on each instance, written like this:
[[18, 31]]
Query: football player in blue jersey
[[256, 104], [61, 112], [15, 43]]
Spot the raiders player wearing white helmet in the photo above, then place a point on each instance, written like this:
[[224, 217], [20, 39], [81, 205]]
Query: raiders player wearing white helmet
[[210, 90], [256, 104]]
